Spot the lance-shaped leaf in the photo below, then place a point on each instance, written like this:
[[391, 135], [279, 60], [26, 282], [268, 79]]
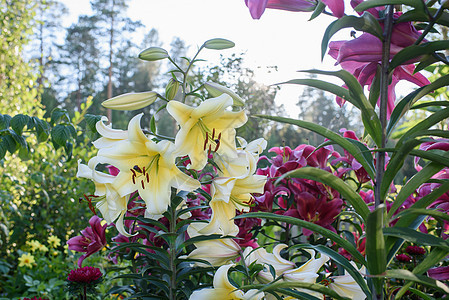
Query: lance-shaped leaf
[[376, 3], [334, 182], [411, 221], [366, 23], [311, 226], [416, 237], [410, 187], [360, 152], [341, 260], [376, 257], [400, 153], [369, 117], [429, 261], [423, 212], [415, 51], [280, 287], [404, 105], [421, 16]]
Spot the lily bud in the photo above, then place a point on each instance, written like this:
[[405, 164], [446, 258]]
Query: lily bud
[[153, 53], [171, 89], [218, 44], [131, 101], [216, 90]]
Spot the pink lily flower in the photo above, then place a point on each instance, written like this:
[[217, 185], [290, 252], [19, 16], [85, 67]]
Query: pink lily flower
[[91, 240], [257, 7]]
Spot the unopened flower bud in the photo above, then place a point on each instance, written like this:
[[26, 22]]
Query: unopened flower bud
[[153, 53], [216, 90], [131, 101], [218, 44], [171, 89]]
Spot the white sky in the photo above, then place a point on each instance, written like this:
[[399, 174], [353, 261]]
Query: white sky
[[280, 38]]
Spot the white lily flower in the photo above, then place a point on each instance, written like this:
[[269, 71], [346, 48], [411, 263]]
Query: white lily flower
[[146, 167], [224, 290], [346, 286], [206, 128], [217, 252], [261, 256], [112, 206]]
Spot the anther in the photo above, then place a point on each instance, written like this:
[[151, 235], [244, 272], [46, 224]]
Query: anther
[[148, 178], [213, 133], [136, 168], [205, 141], [134, 179], [219, 136], [210, 149], [218, 145], [143, 186], [143, 170], [134, 172]]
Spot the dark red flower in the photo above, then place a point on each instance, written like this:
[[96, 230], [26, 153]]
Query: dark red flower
[[439, 273], [91, 240], [84, 275], [403, 258], [415, 250]]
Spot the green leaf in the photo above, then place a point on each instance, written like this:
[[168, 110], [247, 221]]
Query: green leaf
[[334, 182], [59, 114], [430, 103], [341, 260], [366, 23], [435, 256], [376, 3], [4, 121], [42, 129], [91, 122], [374, 91], [61, 134], [410, 187], [325, 86], [153, 124], [376, 257], [9, 143], [18, 122], [218, 44], [423, 211], [369, 117], [311, 226], [415, 51], [3, 148], [18, 138], [421, 15], [276, 286], [407, 275], [319, 8], [354, 149], [416, 237]]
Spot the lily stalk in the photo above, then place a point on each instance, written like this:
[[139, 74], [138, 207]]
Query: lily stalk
[[384, 80]]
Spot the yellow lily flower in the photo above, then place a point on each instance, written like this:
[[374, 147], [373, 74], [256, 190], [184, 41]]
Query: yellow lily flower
[[109, 136], [217, 252], [224, 290], [206, 128], [147, 167], [112, 206]]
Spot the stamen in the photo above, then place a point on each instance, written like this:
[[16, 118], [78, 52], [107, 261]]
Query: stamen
[[218, 145], [143, 171], [210, 148], [136, 167], [219, 136], [148, 178], [92, 209], [134, 172], [134, 179], [213, 133], [143, 186], [205, 142]]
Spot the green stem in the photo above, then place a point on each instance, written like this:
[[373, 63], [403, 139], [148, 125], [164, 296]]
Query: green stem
[[172, 252], [384, 82], [432, 21], [184, 81]]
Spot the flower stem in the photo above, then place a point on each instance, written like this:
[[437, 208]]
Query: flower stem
[[172, 250]]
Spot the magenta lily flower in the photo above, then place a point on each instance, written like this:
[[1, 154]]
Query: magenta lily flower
[[91, 240], [257, 7], [439, 273]]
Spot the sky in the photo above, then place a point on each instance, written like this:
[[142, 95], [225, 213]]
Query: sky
[[280, 38]]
